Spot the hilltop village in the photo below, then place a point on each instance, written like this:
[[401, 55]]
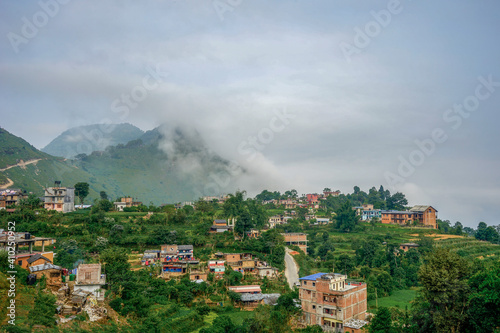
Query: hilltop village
[[303, 263]]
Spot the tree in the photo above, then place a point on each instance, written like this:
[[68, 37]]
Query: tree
[[345, 264], [346, 218], [382, 322], [484, 301], [445, 290], [397, 201], [458, 228], [221, 324], [81, 191], [31, 202], [103, 195]]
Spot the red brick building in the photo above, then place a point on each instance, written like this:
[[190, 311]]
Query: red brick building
[[422, 214], [330, 301]]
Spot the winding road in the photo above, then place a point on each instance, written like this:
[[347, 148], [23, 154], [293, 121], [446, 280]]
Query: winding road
[[291, 269], [22, 165]]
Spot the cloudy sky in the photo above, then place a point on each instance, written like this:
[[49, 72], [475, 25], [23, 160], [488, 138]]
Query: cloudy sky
[[312, 94]]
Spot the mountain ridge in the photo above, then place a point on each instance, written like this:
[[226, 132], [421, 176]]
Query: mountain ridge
[[165, 164], [89, 138]]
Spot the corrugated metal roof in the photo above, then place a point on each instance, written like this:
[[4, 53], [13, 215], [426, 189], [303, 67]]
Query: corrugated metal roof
[[312, 277], [420, 208], [43, 267]]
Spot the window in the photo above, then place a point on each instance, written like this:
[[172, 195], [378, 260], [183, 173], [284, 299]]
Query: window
[[314, 307], [20, 262], [314, 284], [88, 275], [305, 283]]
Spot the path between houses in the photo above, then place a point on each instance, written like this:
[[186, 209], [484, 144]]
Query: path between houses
[[291, 269]]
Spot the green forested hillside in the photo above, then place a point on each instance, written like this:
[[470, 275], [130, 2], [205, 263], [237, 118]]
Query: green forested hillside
[[13, 149]]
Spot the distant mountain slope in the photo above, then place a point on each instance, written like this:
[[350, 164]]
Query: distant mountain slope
[[166, 164], [86, 139], [14, 149]]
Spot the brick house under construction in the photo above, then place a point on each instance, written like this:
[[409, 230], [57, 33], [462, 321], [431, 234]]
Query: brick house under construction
[[330, 301]]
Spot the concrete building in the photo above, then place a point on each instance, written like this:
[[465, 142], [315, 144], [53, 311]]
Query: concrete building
[[298, 239], [277, 220], [126, 202], [222, 226], [330, 301], [61, 199], [217, 267]]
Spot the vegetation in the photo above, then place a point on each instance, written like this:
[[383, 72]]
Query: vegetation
[[459, 274]]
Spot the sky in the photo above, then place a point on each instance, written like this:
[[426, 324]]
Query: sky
[[307, 94]]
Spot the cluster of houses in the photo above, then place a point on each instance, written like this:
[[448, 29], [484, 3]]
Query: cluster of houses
[[178, 260], [74, 288]]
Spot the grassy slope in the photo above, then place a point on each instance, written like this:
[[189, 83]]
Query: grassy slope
[[399, 298], [13, 149]]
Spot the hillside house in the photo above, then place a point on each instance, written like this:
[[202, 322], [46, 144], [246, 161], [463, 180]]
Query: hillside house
[[90, 279], [268, 272], [150, 257], [326, 194], [126, 202], [174, 252], [328, 300], [298, 239], [11, 197], [320, 221], [312, 200], [221, 226], [421, 214], [52, 273], [406, 246], [217, 267], [277, 220], [241, 262], [61, 199]]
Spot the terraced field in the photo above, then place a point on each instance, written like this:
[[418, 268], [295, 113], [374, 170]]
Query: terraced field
[[471, 248]]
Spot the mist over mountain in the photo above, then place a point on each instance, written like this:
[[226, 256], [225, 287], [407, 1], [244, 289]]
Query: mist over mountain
[[89, 138], [166, 164]]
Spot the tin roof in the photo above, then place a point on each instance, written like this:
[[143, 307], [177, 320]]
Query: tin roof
[[44, 267], [312, 277]]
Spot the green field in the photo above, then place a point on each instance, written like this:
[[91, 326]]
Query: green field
[[399, 299]]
